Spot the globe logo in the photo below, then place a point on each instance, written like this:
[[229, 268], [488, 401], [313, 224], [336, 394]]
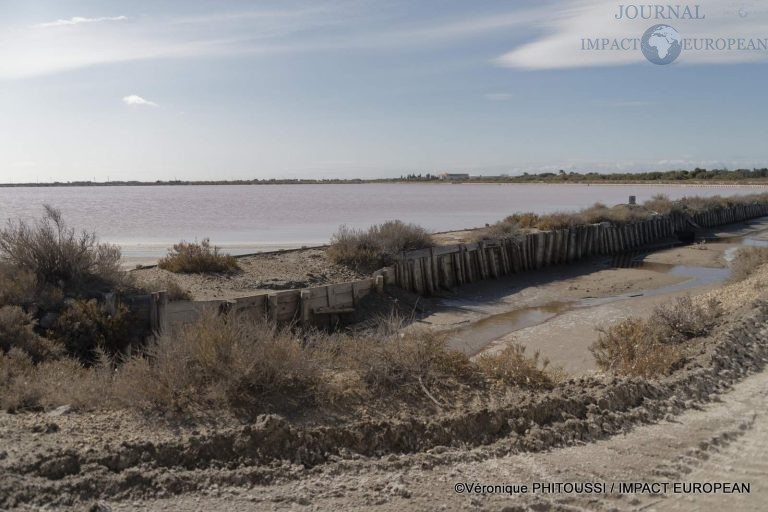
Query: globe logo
[[661, 44]]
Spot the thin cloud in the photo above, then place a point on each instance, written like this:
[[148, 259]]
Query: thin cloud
[[78, 20], [28, 52], [135, 100]]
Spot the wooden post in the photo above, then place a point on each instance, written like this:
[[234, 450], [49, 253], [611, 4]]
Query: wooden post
[[379, 283], [158, 302], [306, 312], [468, 270], [272, 308]]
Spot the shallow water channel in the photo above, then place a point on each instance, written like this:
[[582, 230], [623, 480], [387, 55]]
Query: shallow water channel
[[474, 337]]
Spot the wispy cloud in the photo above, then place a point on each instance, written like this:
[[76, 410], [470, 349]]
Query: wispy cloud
[[135, 100], [341, 25], [78, 20]]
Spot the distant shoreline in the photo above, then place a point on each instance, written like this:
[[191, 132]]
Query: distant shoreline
[[715, 177], [729, 183], [702, 183]]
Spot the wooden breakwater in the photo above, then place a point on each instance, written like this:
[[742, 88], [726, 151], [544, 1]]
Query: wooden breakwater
[[320, 306], [426, 271]]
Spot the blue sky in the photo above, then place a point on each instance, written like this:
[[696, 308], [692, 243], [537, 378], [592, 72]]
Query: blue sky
[[223, 90]]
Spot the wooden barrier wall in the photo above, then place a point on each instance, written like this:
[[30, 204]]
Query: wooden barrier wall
[[425, 271], [320, 306]]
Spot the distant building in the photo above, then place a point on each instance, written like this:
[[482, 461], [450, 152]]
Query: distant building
[[454, 177]]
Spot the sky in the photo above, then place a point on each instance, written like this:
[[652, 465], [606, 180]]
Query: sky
[[194, 90]]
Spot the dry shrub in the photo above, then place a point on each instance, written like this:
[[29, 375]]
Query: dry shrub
[[243, 365], [228, 360], [17, 330], [249, 365], [25, 385], [653, 347], [500, 230], [197, 258], [56, 255], [87, 326], [746, 261], [512, 367], [622, 214], [523, 220], [167, 284], [685, 320], [378, 246], [595, 214], [559, 220], [17, 286], [17, 379], [392, 362], [630, 348], [355, 248], [662, 204], [696, 204]]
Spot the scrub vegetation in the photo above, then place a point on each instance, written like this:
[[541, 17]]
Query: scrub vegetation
[[246, 365], [378, 245], [197, 258], [654, 346]]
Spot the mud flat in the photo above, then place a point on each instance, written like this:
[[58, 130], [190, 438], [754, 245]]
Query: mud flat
[[556, 311]]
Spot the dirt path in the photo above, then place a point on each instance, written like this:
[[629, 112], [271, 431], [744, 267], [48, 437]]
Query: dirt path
[[724, 441]]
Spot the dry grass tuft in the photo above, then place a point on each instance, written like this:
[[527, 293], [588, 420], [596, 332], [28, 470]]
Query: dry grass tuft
[[197, 258], [378, 246], [747, 260], [512, 367]]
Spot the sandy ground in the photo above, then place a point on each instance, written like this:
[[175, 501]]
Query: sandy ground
[[724, 441], [258, 273]]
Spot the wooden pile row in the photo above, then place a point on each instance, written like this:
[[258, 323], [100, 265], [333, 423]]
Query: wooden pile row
[[425, 271]]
